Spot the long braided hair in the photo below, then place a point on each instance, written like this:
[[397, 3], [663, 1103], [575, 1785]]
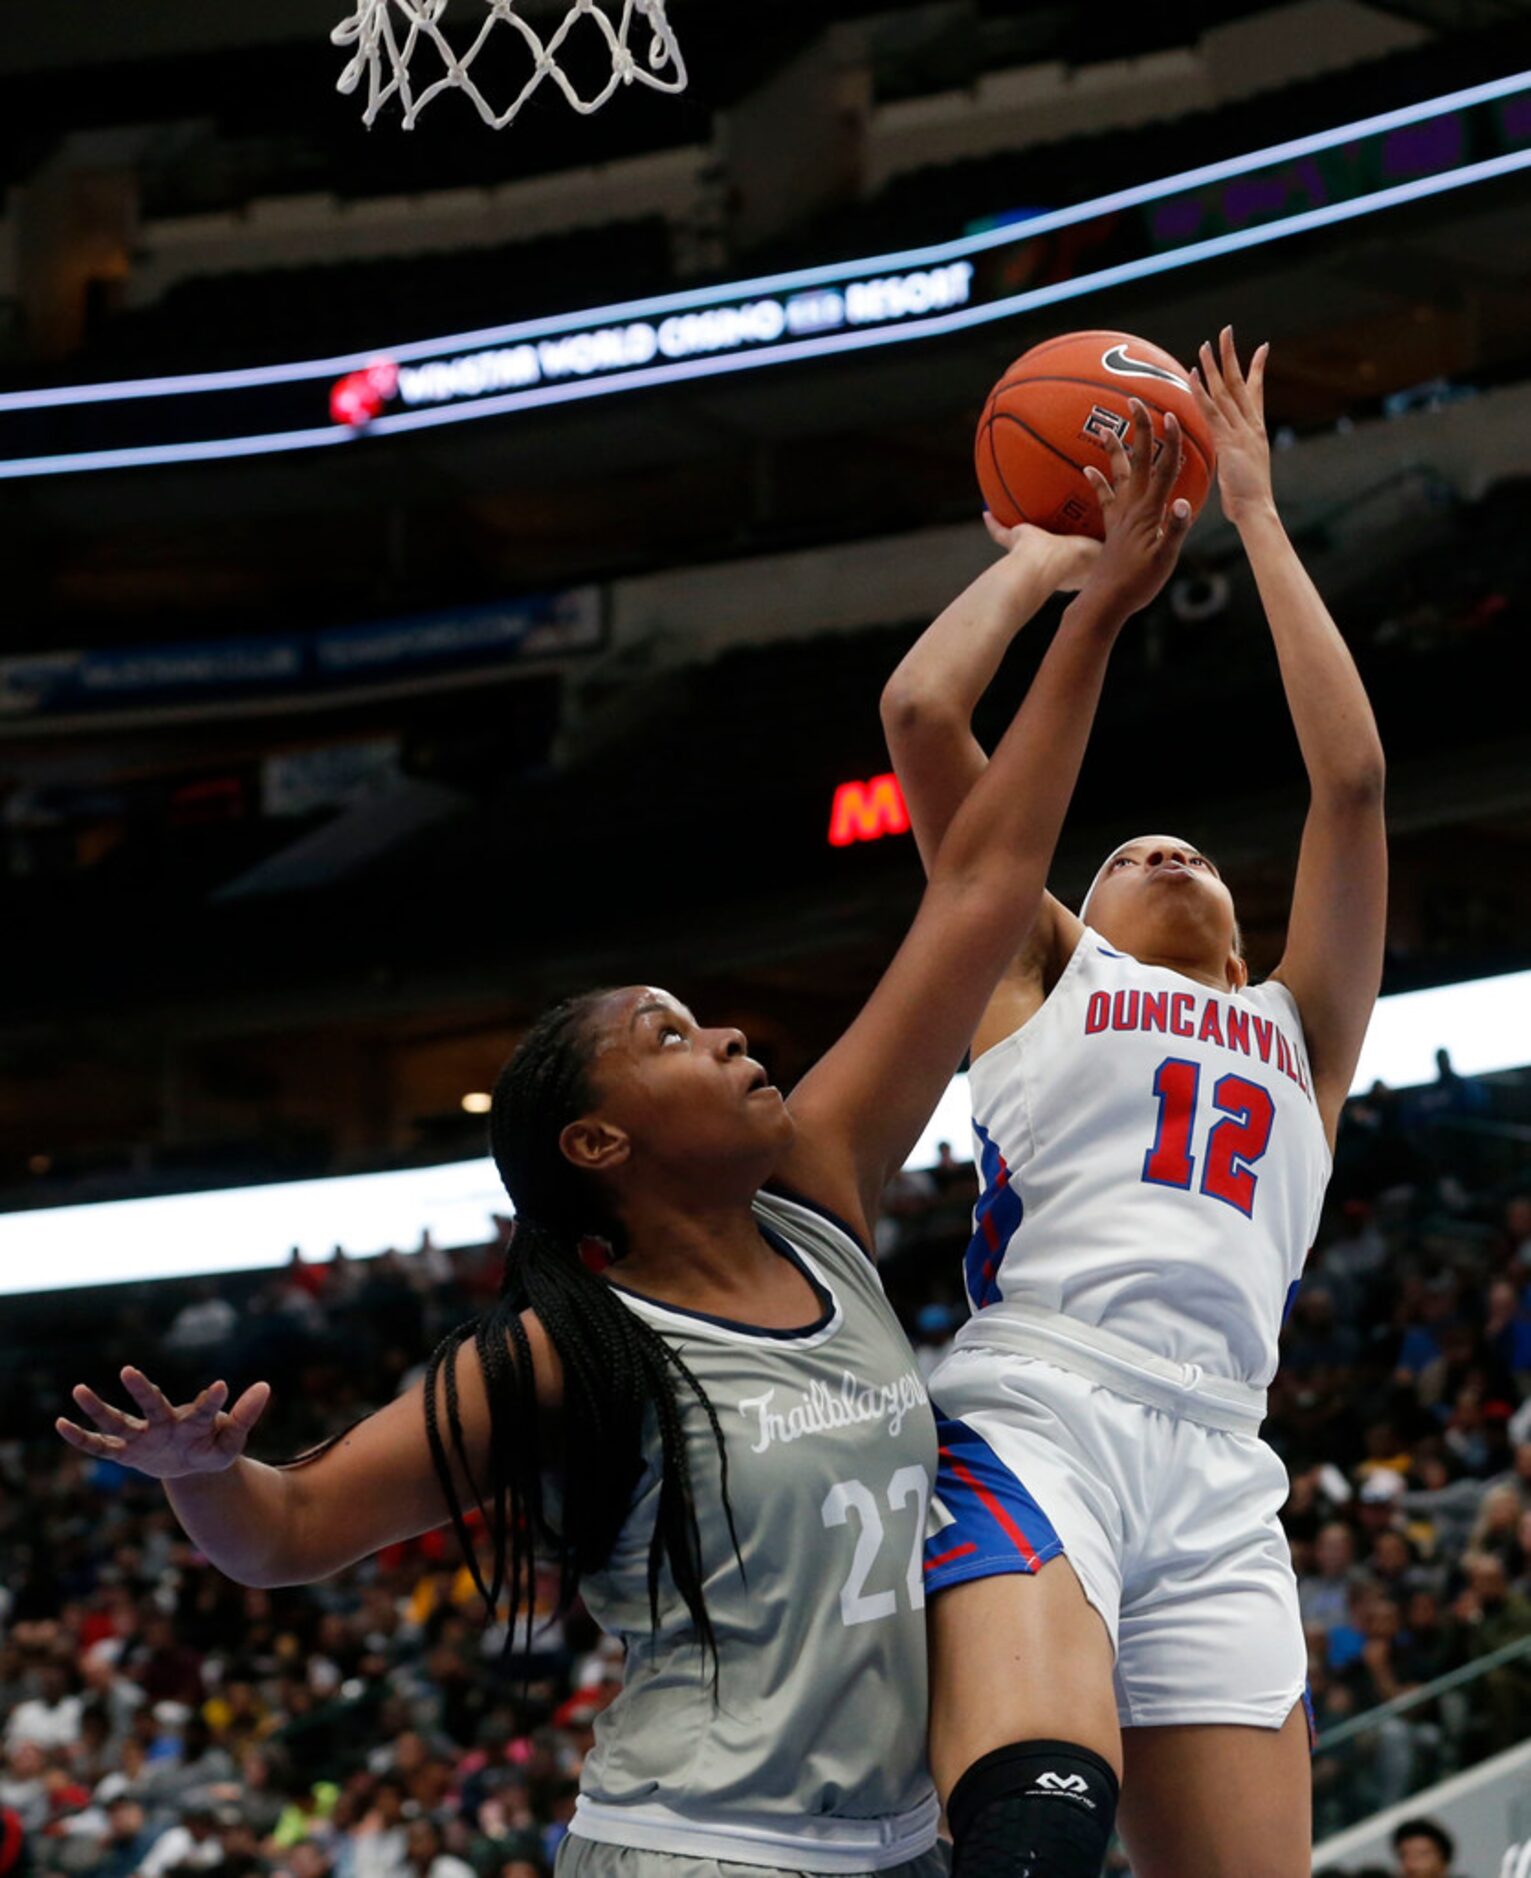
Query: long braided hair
[[620, 1376]]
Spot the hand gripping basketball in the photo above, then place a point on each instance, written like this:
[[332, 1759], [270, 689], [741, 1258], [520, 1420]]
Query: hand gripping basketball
[[1144, 529], [166, 1442], [1064, 560]]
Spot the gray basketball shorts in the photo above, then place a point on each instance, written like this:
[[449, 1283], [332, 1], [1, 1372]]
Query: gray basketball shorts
[[590, 1858]]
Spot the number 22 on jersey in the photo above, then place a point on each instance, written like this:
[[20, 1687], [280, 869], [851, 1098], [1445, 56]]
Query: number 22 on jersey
[[857, 1604], [1233, 1145]]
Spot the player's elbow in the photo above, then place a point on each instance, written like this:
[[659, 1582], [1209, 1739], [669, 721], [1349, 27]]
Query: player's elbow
[[1358, 788], [291, 1573], [912, 711], [262, 1577], [267, 1571]]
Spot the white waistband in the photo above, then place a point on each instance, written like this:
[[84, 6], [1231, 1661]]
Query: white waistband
[[1179, 1388], [812, 1844]]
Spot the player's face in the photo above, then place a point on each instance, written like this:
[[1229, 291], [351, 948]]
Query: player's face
[[1159, 897], [686, 1099]]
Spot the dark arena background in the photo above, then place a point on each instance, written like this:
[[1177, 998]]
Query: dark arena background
[[448, 568]]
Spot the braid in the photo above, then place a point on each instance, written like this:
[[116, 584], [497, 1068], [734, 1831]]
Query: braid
[[620, 1375]]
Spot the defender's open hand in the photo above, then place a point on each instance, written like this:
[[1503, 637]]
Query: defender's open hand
[[1144, 529], [167, 1442]]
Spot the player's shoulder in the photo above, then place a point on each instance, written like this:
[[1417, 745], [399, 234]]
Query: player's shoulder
[[1273, 994], [817, 1230]]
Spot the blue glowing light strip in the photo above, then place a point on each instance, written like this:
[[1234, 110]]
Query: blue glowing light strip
[[960, 249], [680, 371], [930, 327]]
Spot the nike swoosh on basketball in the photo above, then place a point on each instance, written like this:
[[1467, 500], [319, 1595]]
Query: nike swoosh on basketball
[[1117, 360]]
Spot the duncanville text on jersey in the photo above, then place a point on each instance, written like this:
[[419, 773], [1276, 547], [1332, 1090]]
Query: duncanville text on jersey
[[1218, 1020]]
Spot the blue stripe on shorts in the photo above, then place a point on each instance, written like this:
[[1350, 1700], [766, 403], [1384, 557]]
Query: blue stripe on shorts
[[996, 1525]]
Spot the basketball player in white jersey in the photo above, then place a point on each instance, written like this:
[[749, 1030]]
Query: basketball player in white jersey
[[737, 1445], [1116, 1599]]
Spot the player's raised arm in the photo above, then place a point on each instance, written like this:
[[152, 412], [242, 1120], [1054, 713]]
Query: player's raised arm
[[262, 1525], [928, 703], [1332, 964], [860, 1109]]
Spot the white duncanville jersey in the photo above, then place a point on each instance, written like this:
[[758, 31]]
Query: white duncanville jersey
[[1152, 1161]]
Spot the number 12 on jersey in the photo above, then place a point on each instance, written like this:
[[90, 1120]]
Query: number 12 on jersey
[[1233, 1145]]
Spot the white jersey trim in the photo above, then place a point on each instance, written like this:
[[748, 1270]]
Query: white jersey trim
[[693, 1323], [1115, 1363], [826, 1844]]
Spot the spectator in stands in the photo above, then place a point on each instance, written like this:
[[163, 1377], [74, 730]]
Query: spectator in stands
[[949, 1172], [1317, 1338], [122, 1846], [907, 1198], [24, 1785], [192, 1844], [1507, 1330], [51, 1717], [203, 1325], [1324, 1595], [377, 1846], [1423, 1649], [1496, 1528], [165, 1668], [1377, 1509], [1450, 1096], [1493, 1616], [428, 1856], [1423, 1849], [196, 1764], [1391, 1564], [15, 1859]]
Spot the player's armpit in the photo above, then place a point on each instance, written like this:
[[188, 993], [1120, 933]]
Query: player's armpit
[[1036, 968]]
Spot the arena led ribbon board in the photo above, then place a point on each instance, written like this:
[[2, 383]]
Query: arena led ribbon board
[[1310, 183]]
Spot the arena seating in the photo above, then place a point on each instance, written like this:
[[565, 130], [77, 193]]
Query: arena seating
[[234, 155], [303, 312], [370, 1725]]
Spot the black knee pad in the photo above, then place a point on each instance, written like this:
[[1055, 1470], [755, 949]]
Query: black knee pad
[[1035, 1809]]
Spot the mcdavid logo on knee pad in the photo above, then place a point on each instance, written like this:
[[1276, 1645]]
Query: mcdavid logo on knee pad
[[1064, 1787]]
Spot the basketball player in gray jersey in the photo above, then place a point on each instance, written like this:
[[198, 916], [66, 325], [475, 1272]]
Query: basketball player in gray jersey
[[721, 1437]]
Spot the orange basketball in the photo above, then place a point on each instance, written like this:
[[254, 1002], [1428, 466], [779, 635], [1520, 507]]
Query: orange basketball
[[1051, 414]]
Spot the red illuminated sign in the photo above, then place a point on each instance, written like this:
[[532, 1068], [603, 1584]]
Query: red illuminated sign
[[360, 396], [866, 811]]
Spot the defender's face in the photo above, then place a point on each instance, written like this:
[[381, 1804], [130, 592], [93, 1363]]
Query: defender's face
[[681, 1092], [1160, 896]]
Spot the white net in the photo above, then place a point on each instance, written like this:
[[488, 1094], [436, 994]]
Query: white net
[[388, 34]]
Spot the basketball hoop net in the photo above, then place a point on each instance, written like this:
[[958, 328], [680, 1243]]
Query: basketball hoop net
[[386, 35]]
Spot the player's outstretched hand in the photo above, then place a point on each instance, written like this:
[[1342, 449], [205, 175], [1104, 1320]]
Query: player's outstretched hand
[[200, 1437], [1233, 405], [1064, 560], [1144, 529]]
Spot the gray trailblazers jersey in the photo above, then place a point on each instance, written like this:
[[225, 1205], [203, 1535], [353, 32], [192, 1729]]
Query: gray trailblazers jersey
[[813, 1756]]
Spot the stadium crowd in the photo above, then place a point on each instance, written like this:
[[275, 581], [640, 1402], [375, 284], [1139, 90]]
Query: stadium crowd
[[158, 1720]]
